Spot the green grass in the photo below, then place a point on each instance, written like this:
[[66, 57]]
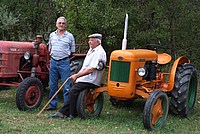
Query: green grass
[[112, 120]]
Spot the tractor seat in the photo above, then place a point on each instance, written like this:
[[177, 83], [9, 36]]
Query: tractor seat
[[164, 58]]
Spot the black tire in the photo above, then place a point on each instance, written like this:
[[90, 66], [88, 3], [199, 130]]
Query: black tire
[[29, 94], [183, 95], [120, 103], [156, 110], [75, 65], [87, 107]]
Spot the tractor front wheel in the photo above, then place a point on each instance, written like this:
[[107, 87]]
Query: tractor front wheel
[[155, 110], [87, 106], [29, 94], [183, 95]]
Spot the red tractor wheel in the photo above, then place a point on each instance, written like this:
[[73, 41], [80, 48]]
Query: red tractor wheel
[[155, 110], [29, 94], [87, 107]]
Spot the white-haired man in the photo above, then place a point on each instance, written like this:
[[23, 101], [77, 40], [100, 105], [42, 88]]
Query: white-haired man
[[61, 46], [87, 77]]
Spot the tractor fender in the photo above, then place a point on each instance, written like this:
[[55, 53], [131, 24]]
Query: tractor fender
[[77, 56], [177, 62]]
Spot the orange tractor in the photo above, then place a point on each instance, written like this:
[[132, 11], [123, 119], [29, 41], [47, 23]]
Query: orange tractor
[[139, 73]]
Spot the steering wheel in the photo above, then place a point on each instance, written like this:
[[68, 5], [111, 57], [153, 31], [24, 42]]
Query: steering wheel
[[101, 66], [154, 47]]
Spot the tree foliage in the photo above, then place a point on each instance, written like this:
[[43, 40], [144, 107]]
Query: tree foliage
[[28, 17], [176, 24], [7, 21]]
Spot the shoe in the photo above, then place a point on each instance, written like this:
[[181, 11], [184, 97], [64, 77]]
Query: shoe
[[70, 117], [50, 109], [56, 115]]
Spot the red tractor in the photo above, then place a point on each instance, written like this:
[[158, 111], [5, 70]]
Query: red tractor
[[26, 66]]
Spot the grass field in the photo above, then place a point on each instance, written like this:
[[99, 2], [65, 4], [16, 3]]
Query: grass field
[[112, 120]]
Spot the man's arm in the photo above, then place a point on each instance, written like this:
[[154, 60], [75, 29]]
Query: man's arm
[[72, 44], [82, 73]]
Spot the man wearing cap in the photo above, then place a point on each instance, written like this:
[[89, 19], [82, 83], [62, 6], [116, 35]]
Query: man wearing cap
[[87, 77]]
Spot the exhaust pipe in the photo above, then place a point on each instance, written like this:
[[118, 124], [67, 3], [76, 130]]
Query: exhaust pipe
[[124, 42]]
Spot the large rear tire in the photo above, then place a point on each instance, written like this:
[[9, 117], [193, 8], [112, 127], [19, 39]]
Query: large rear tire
[[75, 65], [156, 110], [87, 107], [29, 94], [183, 95]]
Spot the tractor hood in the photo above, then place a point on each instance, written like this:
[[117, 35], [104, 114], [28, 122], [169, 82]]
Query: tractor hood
[[16, 47], [134, 55]]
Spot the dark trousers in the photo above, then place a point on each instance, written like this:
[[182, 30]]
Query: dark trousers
[[70, 107]]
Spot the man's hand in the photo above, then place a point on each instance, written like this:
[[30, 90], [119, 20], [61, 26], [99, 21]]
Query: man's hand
[[81, 73], [73, 77], [71, 55]]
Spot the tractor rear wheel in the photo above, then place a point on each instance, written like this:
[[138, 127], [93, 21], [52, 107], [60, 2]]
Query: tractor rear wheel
[[29, 94], [183, 95], [87, 107], [155, 110], [75, 65]]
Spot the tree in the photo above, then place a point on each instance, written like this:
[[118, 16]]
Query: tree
[[7, 22], [175, 23], [34, 17]]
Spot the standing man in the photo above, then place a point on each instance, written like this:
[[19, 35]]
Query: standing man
[[61, 46], [87, 77]]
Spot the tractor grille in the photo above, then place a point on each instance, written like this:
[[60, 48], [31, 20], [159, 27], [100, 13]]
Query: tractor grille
[[120, 71]]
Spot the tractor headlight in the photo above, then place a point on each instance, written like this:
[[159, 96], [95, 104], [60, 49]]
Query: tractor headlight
[[142, 71], [27, 55]]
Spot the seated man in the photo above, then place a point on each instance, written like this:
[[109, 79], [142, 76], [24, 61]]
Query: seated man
[[87, 77]]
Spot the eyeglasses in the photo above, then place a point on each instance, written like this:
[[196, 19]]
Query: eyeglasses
[[62, 23]]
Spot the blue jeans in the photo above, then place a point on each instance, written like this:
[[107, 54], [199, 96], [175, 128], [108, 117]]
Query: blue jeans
[[59, 69]]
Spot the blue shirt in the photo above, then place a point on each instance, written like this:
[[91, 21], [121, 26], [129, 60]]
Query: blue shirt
[[61, 46]]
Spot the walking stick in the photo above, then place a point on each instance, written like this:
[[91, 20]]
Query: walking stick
[[53, 96]]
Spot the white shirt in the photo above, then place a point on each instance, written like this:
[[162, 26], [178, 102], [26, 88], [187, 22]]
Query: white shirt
[[91, 61]]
